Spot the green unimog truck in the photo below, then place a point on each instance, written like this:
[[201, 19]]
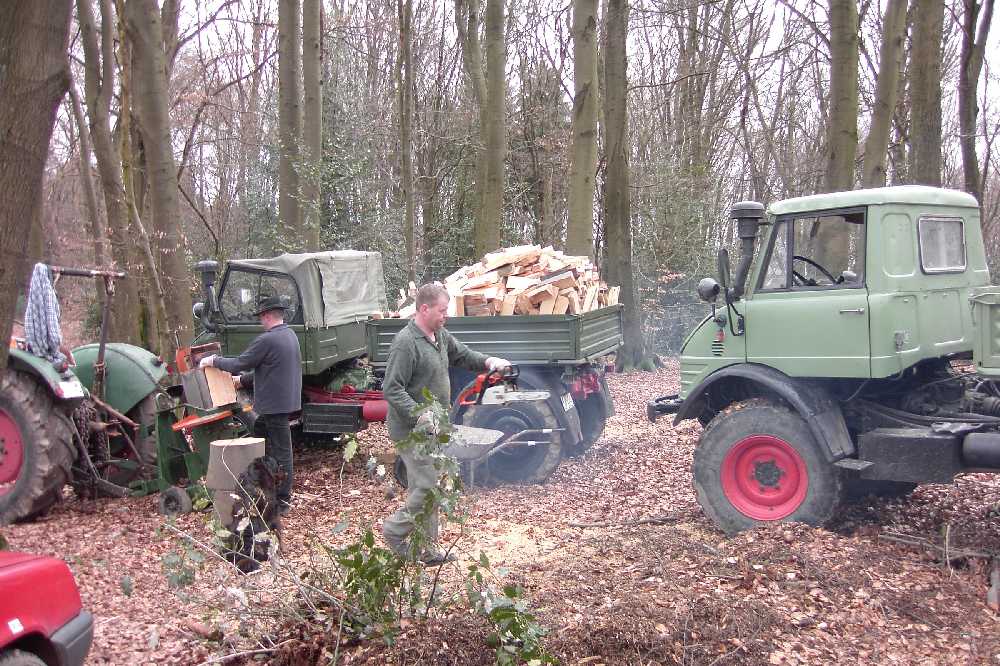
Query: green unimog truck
[[332, 297], [855, 350]]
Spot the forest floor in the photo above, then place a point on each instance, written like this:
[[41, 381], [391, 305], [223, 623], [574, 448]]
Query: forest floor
[[610, 586]]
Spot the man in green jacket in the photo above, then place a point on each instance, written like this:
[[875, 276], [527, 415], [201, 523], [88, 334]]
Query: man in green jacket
[[419, 358]]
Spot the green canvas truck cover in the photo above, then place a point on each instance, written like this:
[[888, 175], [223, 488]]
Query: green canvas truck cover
[[336, 287]]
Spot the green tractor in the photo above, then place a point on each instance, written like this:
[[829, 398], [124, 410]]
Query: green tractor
[[91, 425], [853, 352]]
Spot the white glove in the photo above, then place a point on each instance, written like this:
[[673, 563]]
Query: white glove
[[207, 362], [426, 424], [496, 363]]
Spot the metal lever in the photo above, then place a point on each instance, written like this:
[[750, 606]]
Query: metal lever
[[854, 311]]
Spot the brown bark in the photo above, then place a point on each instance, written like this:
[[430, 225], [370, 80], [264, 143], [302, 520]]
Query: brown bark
[[975, 32], [404, 97], [886, 93], [312, 138], [99, 68], [33, 79], [580, 228], [842, 131], [89, 195], [488, 234], [289, 123], [143, 21], [617, 202], [925, 92]]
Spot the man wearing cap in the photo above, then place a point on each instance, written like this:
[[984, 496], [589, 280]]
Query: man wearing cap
[[419, 358], [272, 366]]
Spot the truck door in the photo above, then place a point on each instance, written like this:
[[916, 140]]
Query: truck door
[[808, 313]]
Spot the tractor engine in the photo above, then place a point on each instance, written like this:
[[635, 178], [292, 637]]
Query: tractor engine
[[946, 393]]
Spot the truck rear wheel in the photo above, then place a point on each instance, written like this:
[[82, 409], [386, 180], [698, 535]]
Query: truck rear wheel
[[760, 464], [36, 447], [521, 464]]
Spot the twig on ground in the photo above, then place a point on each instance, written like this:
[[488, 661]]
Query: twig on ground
[[237, 655], [946, 550]]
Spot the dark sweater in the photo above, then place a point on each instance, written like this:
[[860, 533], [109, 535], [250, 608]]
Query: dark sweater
[[416, 363], [272, 364]]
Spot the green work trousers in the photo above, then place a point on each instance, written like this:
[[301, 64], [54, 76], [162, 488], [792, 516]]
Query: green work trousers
[[420, 479]]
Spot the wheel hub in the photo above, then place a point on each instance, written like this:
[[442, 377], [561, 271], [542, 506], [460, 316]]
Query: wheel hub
[[11, 452], [764, 477]]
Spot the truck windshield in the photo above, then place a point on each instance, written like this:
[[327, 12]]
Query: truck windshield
[[242, 290], [816, 251]]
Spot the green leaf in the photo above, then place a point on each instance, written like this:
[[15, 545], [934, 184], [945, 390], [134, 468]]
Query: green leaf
[[127, 585], [350, 450]]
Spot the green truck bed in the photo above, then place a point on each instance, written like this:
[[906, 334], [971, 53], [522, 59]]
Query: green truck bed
[[537, 339]]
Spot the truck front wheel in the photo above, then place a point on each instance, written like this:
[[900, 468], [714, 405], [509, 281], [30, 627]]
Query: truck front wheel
[[758, 463], [36, 447]]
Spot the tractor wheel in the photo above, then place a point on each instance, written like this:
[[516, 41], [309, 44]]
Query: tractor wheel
[[761, 464], [523, 464], [174, 501], [36, 447]]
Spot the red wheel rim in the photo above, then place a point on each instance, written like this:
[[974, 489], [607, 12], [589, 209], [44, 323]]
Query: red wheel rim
[[11, 452], [764, 477]]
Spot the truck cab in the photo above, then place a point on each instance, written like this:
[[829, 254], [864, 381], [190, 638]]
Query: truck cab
[[828, 362]]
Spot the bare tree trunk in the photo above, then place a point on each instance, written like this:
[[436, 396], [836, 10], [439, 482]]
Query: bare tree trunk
[[467, 23], [289, 128], [886, 93], [488, 233], [974, 35], [404, 88], [925, 92], [89, 195], [580, 229], [842, 131], [312, 67], [33, 79], [99, 85], [617, 203], [145, 31]]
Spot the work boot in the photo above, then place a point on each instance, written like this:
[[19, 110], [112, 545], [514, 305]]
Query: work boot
[[433, 557]]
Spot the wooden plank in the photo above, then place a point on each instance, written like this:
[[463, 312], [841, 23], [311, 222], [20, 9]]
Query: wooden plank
[[574, 302], [459, 302], [521, 282], [522, 305], [547, 306], [591, 298], [509, 301], [561, 305], [484, 280], [539, 294], [613, 295], [509, 255]]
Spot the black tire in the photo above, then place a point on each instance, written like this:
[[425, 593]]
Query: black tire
[[20, 658], [525, 464], [44, 444], [740, 462], [174, 501], [858, 489]]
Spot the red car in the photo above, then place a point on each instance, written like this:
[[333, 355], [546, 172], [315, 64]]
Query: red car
[[42, 621]]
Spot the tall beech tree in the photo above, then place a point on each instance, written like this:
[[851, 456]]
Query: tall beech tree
[[580, 227]]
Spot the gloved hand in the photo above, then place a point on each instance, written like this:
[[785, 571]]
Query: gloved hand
[[496, 363], [207, 361], [426, 424], [236, 382]]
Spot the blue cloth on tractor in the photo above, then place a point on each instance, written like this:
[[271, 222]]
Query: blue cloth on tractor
[[42, 332]]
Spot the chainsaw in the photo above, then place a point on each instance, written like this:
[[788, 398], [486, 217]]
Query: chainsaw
[[499, 387]]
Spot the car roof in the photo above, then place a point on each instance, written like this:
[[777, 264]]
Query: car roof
[[900, 194]]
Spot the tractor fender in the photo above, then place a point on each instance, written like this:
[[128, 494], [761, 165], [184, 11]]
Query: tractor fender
[[531, 378], [131, 373], [809, 399], [65, 386]]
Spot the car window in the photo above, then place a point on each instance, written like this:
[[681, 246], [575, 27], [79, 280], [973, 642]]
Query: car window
[[776, 274], [942, 244], [828, 251], [243, 289]]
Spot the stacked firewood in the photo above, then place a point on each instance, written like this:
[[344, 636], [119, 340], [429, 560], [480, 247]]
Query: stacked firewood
[[523, 280]]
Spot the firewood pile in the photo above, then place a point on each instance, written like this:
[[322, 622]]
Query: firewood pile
[[522, 280]]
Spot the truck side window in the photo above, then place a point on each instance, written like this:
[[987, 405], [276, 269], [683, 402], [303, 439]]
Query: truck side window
[[829, 251], [776, 275], [942, 244], [242, 291]]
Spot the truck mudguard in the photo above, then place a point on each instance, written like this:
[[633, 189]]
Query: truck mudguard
[[812, 402]]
